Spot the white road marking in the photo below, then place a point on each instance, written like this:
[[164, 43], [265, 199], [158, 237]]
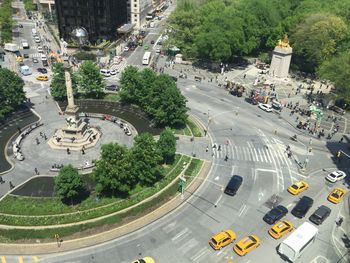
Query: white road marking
[[168, 228], [200, 254], [183, 232], [289, 205], [246, 154], [217, 201], [261, 195], [315, 260], [233, 152], [241, 210], [187, 246], [233, 169], [217, 178], [256, 155]]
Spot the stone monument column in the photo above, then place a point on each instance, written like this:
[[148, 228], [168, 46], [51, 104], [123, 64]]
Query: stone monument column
[[71, 109], [281, 57]]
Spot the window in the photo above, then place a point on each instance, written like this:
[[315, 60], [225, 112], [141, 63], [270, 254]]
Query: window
[[135, 5]]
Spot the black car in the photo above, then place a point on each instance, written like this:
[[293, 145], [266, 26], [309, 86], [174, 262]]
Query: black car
[[301, 208], [233, 185], [320, 215], [152, 42], [25, 55], [42, 70], [275, 214], [112, 87]]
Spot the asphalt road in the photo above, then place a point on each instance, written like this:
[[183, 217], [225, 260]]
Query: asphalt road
[[247, 136]]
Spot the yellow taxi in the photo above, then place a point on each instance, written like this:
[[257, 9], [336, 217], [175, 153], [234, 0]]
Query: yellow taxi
[[42, 78], [246, 245], [298, 187], [336, 195], [144, 260], [19, 59], [280, 229], [222, 239]]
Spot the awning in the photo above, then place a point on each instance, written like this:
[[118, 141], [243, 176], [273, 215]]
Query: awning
[[126, 28]]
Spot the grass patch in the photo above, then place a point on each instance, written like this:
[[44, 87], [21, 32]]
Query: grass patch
[[9, 235], [194, 128], [112, 97], [193, 168], [35, 220]]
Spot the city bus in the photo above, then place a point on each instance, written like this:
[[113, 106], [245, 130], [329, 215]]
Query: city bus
[[294, 245], [146, 58]]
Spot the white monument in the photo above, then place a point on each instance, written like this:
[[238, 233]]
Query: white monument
[[281, 57], [77, 134]]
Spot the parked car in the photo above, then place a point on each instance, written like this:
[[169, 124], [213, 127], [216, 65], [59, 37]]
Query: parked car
[[337, 109], [222, 239], [265, 107], [35, 60], [275, 214], [126, 49], [25, 55], [113, 72], [112, 87], [233, 185], [302, 207], [42, 78], [42, 70], [320, 215], [335, 176]]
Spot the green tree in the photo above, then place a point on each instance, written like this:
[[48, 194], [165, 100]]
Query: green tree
[[337, 70], [11, 91], [167, 104], [145, 159], [130, 85], [58, 83], [316, 39], [29, 5], [113, 172], [68, 184], [167, 145], [90, 80]]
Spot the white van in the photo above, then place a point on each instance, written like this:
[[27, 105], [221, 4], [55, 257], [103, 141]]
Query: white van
[[105, 72], [43, 57]]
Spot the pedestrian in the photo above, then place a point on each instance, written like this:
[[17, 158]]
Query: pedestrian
[[339, 222], [68, 151], [288, 95], [244, 75], [226, 158], [219, 147], [341, 140], [1, 180], [206, 149], [36, 171], [11, 185], [37, 141]]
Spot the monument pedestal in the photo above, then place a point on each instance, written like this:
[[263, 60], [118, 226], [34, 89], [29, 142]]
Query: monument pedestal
[[281, 58], [76, 135]]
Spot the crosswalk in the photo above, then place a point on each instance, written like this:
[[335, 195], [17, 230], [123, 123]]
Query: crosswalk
[[119, 67], [253, 154], [19, 259], [191, 248]]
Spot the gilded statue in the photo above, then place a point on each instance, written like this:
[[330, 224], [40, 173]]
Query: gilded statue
[[284, 43]]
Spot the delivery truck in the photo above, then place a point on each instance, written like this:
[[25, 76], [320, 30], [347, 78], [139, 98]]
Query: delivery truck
[[11, 47]]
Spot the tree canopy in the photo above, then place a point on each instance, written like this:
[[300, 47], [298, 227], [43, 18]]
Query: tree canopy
[[68, 184], [58, 83], [167, 145], [11, 91], [157, 95], [90, 80]]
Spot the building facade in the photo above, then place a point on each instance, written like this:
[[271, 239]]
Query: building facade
[[139, 9], [101, 18]]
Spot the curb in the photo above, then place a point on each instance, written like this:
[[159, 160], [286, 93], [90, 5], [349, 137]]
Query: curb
[[171, 206]]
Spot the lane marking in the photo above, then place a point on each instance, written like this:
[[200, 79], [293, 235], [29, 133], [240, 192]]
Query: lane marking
[[217, 201], [184, 231], [200, 254]]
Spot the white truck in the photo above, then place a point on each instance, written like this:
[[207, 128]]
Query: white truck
[[11, 47], [25, 44]]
